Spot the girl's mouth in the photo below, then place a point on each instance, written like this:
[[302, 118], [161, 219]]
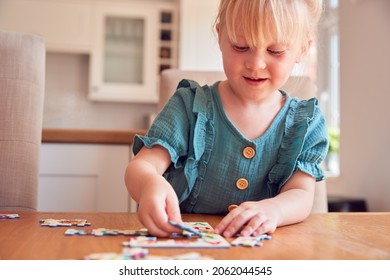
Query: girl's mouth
[[255, 81]]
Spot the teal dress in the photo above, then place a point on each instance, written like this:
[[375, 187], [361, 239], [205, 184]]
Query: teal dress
[[215, 166]]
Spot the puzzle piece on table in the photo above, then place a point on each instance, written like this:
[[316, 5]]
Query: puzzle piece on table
[[135, 253], [264, 237], [9, 216], [146, 241], [186, 230], [64, 222], [111, 232], [247, 241], [127, 232], [208, 238], [191, 256], [72, 231], [207, 241], [186, 256], [202, 227], [250, 241], [193, 228], [127, 254], [143, 254], [104, 256]]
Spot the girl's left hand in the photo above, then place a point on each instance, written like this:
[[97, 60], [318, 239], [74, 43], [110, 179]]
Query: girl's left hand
[[250, 218]]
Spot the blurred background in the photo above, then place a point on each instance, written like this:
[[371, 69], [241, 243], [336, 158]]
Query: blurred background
[[89, 85]]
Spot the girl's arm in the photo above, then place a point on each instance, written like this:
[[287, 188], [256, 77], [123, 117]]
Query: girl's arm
[[295, 199], [292, 205], [155, 196]]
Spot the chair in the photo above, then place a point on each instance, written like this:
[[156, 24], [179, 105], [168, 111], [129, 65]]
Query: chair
[[301, 87], [22, 77]]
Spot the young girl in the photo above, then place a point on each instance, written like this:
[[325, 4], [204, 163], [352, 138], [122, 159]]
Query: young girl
[[239, 147]]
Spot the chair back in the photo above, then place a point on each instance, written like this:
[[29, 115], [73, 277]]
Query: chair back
[[22, 79]]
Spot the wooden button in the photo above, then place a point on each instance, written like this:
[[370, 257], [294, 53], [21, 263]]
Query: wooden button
[[249, 152], [242, 183], [232, 206]]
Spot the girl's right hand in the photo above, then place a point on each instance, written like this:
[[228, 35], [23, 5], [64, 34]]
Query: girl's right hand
[[157, 204], [156, 198]]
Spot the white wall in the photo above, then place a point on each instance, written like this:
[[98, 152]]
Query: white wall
[[67, 104], [365, 99], [198, 40]]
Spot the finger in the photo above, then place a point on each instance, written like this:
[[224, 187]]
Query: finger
[[153, 220], [239, 217], [263, 228], [153, 229], [173, 209], [266, 227], [224, 223], [255, 222], [172, 213]]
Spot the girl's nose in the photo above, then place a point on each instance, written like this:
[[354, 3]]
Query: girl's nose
[[255, 60]]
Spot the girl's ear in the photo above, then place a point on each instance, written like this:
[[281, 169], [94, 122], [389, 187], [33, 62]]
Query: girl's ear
[[305, 49], [218, 29]]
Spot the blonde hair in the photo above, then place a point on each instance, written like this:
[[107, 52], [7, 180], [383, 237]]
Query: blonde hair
[[284, 21]]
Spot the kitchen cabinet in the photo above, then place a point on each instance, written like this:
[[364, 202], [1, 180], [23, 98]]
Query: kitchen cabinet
[[128, 41], [132, 43], [83, 178]]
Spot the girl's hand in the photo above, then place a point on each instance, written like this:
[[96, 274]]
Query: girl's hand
[[157, 201], [250, 218], [292, 205], [157, 204]]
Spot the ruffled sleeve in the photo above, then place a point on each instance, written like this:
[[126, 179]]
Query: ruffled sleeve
[[183, 127], [171, 127], [304, 145]]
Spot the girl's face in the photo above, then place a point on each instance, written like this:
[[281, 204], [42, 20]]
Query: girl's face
[[257, 72]]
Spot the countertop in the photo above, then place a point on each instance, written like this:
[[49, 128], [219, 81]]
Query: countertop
[[89, 136]]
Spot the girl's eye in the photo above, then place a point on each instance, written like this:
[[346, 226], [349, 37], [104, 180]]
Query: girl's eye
[[276, 52], [240, 48]]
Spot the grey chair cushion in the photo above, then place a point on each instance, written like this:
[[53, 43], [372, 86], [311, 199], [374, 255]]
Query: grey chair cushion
[[22, 79]]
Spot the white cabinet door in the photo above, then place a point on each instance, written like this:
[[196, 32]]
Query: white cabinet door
[[124, 57], [83, 177], [65, 25]]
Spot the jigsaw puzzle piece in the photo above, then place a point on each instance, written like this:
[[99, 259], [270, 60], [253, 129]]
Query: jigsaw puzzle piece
[[208, 241], [64, 222], [104, 231], [250, 241], [9, 216], [127, 254], [72, 231], [187, 231]]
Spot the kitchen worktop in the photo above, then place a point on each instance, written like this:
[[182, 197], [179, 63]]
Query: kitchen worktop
[[91, 136]]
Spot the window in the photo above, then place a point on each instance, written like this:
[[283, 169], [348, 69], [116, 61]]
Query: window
[[328, 80]]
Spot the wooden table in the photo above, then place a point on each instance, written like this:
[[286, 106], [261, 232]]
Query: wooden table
[[331, 236]]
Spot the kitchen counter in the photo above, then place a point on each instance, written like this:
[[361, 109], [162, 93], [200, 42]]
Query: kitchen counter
[[89, 136]]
